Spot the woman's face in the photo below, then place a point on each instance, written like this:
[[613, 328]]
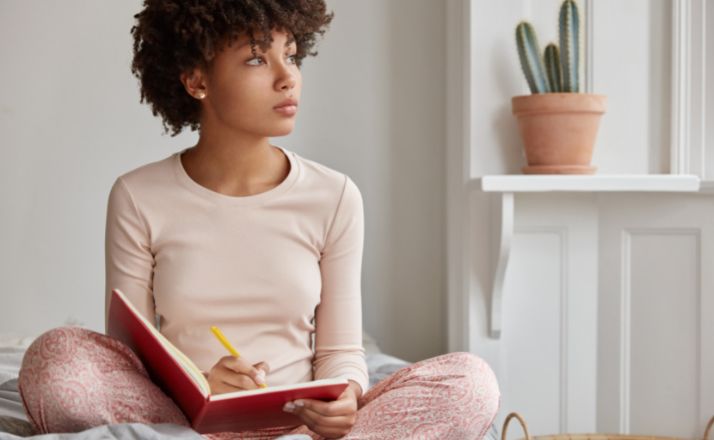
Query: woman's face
[[244, 86]]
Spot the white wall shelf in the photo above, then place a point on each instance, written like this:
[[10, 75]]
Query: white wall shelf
[[508, 185], [591, 183]]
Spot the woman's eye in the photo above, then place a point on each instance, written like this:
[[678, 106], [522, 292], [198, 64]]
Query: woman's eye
[[292, 59]]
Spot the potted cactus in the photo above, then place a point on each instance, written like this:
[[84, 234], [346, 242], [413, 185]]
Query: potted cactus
[[558, 123]]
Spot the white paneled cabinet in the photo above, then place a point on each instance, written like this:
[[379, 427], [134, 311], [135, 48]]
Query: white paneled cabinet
[[606, 311]]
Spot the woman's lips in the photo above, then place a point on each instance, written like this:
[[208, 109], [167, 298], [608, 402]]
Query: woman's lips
[[287, 110]]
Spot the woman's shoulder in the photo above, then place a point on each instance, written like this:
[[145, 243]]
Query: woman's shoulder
[[322, 175], [146, 183], [147, 173]]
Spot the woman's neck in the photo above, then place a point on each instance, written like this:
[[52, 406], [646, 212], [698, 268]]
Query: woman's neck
[[238, 167]]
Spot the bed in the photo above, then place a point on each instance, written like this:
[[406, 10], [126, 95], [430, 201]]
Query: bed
[[14, 424]]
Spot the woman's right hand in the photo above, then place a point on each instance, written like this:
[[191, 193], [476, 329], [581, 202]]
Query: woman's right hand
[[235, 374]]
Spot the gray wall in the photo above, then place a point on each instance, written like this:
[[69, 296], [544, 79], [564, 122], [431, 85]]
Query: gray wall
[[372, 107]]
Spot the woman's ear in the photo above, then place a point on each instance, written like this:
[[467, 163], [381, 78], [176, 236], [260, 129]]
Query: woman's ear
[[194, 83]]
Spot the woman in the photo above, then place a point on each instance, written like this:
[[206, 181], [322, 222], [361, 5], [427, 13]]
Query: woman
[[245, 235]]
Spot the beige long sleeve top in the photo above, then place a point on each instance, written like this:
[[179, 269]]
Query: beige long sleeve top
[[272, 270]]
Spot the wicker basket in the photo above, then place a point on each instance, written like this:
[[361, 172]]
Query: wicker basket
[[517, 416]]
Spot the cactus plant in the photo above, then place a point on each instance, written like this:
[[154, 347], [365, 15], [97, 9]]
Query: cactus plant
[[558, 69], [553, 68], [558, 123], [529, 54], [570, 45]]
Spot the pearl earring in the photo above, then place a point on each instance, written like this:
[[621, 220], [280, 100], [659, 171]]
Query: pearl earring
[[201, 95]]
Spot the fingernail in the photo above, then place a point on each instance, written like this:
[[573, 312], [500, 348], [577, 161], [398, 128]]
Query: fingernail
[[289, 407], [299, 403], [260, 376]]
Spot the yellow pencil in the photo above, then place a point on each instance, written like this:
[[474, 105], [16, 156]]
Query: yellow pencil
[[219, 335]]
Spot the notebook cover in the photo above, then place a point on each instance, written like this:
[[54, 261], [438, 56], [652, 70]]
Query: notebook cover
[[260, 410], [164, 370]]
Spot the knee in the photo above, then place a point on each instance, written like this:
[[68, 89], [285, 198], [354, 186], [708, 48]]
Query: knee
[[51, 355], [480, 378], [58, 344], [49, 361], [66, 352], [61, 368], [61, 346]]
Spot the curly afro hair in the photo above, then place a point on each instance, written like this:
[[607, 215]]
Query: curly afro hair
[[175, 36]]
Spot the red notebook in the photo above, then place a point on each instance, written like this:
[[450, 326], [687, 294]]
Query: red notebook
[[183, 381]]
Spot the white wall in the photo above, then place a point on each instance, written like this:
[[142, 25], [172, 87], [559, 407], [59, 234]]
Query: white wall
[[709, 79], [372, 107], [377, 90], [633, 68]]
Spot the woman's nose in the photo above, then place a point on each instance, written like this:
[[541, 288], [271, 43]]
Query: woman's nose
[[287, 79]]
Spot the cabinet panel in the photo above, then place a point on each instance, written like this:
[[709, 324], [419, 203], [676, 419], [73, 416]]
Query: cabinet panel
[[533, 372], [548, 346], [654, 337], [663, 330]]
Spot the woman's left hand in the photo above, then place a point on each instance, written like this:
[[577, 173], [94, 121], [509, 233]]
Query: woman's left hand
[[329, 419]]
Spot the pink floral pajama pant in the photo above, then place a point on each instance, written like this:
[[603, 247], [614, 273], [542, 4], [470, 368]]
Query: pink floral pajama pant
[[74, 379]]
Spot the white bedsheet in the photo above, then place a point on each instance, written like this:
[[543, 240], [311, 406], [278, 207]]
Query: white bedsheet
[[129, 431], [10, 359]]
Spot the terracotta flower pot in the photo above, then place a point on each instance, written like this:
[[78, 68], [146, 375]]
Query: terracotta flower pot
[[559, 131]]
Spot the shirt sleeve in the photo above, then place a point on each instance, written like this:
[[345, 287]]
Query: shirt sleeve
[[129, 262], [338, 317]]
